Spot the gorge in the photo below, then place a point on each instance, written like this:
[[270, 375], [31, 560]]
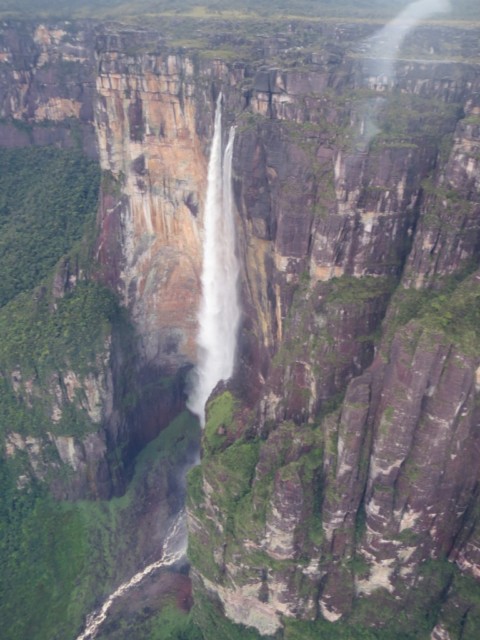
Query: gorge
[[337, 492]]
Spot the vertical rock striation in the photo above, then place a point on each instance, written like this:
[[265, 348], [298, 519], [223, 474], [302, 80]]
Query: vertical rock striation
[[145, 119], [354, 422]]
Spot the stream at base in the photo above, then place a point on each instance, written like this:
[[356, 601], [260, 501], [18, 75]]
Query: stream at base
[[175, 547]]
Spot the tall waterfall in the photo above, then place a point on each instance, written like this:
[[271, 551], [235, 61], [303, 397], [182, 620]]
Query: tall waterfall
[[219, 313]]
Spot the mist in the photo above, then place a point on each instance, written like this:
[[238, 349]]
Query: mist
[[383, 49], [388, 40]]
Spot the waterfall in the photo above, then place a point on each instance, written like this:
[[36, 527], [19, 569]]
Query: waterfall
[[219, 313]]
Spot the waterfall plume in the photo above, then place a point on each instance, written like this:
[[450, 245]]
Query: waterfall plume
[[219, 313], [383, 51], [386, 43]]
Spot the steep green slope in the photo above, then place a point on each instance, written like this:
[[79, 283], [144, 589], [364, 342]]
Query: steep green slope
[[48, 199], [38, 341], [47, 196], [60, 560], [80, 510]]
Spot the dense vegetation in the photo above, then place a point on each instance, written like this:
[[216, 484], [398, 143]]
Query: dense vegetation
[[46, 197], [48, 200], [38, 341], [60, 559]]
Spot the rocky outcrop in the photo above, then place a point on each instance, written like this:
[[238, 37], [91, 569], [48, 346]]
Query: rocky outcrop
[[129, 391], [47, 74], [50, 456]]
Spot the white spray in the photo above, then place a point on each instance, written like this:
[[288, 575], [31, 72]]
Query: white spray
[[175, 547], [384, 47], [388, 40], [219, 314]]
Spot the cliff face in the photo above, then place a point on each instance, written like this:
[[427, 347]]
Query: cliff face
[[47, 78], [145, 122], [341, 462], [339, 480], [68, 86]]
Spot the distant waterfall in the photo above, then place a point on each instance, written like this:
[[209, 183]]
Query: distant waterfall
[[219, 313]]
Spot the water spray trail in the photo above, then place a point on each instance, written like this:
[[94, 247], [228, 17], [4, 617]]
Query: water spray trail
[[384, 47], [175, 547], [388, 40], [219, 313]]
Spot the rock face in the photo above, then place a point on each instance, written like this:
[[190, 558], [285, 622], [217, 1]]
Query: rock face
[[47, 78], [355, 420], [340, 477], [145, 118], [52, 93]]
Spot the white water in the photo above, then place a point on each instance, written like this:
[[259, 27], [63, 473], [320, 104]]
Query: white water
[[219, 318], [219, 314], [175, 547]]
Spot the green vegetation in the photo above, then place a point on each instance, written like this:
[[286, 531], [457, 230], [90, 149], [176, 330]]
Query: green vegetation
[[472, 120], [241, 504], [48, 200], [38, 337], [60, 559], [406, 118], [296, 630], [170, 623], [230, 473], [462, 616], [358, 291], [220, 414], [214, 625], [39, 340], [452, 310], [43, 551], [47, 197]]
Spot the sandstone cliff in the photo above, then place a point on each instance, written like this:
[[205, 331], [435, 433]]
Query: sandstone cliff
[[339, 480], [341, 462]]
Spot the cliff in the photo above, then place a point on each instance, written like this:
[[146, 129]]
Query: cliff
[[339, 477]]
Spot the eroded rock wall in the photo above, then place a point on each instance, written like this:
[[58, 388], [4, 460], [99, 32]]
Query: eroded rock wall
[[354, 414], [47, 75], [146, 130], [339, 475]]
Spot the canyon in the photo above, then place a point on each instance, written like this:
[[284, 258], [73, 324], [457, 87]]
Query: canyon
[[338, 486]]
